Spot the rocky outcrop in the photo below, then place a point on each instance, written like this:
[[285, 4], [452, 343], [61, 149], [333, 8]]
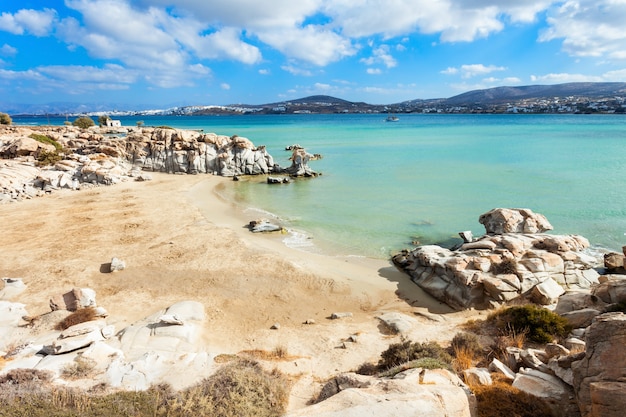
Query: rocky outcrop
[[600, 377], [514, 260], [166, 346], [102, 156], [414, 392]]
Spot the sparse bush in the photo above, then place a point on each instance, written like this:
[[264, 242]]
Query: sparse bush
[[81, 315], [84, 122], [165, 127], [507, 266], [23, 375], [466, 351], [102, 120], [406, 351], [503, 400], [45, 158], [5, 119], [81, 368], [466, 341], [541, 325], [46, 139], [241, 388]]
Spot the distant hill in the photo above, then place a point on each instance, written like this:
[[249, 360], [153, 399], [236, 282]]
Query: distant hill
[[499, 95], [492, 99]]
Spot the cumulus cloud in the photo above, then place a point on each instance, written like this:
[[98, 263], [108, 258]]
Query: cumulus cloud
[[381, 55], [558, 78], [38, 23], [313, 44], [8, 50], [29, 75], [589, 28], [225, 86], [472, 70], [111, 73], [374, 71], [296, 70]]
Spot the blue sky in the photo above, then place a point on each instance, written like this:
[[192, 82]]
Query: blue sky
[[163, 53]]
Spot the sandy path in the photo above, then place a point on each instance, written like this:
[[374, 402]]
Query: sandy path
[[181, 242]]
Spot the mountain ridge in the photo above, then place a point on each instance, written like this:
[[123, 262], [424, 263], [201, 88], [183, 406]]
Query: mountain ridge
[[496, 96]]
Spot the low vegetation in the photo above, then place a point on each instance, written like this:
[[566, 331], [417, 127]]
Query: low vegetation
[[466, 351], [241, 388], [79, 369], [539, 324], [84, 122], [503, 400], [46, 139], [81, 315], [45, 158], [408, 355], [506, 266], [5, 119]]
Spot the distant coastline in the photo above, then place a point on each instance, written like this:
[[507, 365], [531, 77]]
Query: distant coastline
[[570, 98]]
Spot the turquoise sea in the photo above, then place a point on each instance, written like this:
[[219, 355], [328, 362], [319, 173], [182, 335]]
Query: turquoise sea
[[427, 177]]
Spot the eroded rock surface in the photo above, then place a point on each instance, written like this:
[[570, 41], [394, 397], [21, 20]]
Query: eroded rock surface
[[504, 264]]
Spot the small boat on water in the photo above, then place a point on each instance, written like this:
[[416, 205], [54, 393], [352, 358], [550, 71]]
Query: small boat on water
[[392, 119]]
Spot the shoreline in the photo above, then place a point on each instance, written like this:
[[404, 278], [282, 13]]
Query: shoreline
[[227, 214], [180, 241]]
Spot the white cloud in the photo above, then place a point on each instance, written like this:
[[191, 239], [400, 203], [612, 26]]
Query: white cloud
[[225, 86], [226, 43], [29, 75], [313, 44], [557, 78], [111, 73], [589, 28], [296, 71], [164, 48], [381, 55], [450, 71], [38, 23], [472, 70], [264, 71], [8, 50], [374, 71]]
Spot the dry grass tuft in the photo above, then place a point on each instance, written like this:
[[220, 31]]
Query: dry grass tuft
[[79, 316], [239, 389], [279, 353], [81, 368], [503, 400]]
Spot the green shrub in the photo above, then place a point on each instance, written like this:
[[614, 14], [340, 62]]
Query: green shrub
[[46, 139], [102, 120], [45, 158], [406, 351], [84, 122], [540, 324], [5, 119]]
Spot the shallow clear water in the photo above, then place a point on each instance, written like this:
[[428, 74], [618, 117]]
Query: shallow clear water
[[427, 177]]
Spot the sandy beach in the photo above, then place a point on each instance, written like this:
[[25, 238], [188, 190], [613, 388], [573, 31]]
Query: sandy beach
[[180, 241]]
